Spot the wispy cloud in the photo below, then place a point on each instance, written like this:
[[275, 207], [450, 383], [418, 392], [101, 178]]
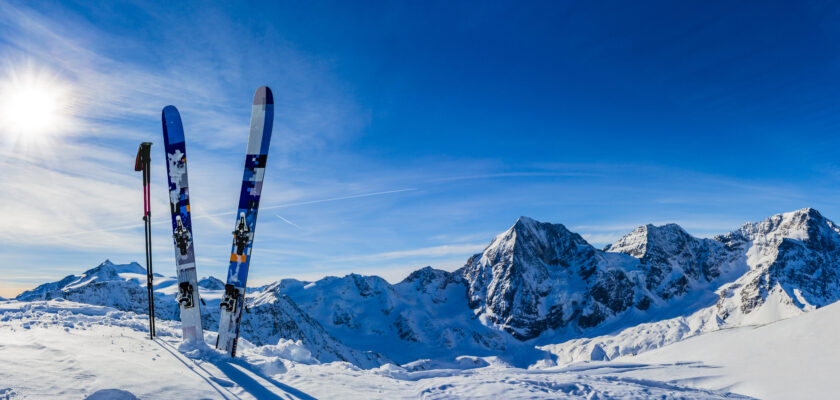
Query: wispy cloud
[[288, 222], [424, 252], [165, 220]]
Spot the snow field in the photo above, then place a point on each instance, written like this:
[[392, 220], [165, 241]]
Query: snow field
[[796, 358], [62, 349]]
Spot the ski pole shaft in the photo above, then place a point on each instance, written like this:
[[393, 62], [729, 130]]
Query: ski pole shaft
[[149, 246], [142, 163], [149, 272]]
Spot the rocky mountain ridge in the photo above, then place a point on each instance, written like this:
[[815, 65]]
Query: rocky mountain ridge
[[538, 284]]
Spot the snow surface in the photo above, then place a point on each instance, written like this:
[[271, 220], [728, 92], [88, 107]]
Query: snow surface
[[460, 334], [796, 358], [63, 349]]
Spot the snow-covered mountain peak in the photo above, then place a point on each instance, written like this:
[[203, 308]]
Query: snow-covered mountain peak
[[642, 239], [537, 244], [368, 285], [212, 283], [509, 281], [104, 272], [804, 224], [110, 271], [524, 222], [430, 281], [529, 228], [793, 265], [527, 233], [427, 276]]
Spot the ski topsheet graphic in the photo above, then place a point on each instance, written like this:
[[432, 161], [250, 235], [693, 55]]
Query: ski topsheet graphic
[[179, 202], [262, 118]]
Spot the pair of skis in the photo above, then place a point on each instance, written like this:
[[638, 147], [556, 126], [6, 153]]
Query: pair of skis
[[262, 118]]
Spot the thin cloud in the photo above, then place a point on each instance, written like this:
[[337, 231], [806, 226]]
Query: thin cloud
[[425, 252], [206, 216], [527, 174], [288, 222]]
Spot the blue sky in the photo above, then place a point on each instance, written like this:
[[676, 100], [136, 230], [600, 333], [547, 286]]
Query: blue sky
[[410, 133]]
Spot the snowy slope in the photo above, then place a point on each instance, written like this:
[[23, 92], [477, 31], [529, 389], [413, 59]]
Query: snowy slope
[[426, 316], [124, 287], [61, 349], [796, 358]]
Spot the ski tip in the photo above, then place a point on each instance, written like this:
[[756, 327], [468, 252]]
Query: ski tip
[[263, 96], [169, 112], [173, 132]]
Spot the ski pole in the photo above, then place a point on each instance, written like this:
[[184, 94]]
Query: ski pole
[[142, 163], [150, 270]]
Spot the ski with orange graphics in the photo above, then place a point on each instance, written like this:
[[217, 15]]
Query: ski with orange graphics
[[233, 302]]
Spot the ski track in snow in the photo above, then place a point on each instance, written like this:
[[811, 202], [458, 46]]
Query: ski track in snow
[[62, 349]]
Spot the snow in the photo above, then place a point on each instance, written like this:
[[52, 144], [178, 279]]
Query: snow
[[535, 278], [62, 349], [507, 324], [796, 358], [634, 340], [273, 316], [426, 316]]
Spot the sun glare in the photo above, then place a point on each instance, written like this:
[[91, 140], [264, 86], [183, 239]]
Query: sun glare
[[33, 108]]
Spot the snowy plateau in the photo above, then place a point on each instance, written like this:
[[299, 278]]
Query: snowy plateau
[[540, 313]]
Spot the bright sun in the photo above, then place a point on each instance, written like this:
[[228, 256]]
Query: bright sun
[[33, 108]]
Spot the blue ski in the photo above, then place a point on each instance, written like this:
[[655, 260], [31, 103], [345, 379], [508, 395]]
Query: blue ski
[[262, 118], [179, 202]]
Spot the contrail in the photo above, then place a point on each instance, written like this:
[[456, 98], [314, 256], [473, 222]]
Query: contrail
[[288, 222], [302, 203], [116, 228]]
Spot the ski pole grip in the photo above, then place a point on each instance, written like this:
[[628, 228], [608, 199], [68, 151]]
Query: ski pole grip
[[143, 157]]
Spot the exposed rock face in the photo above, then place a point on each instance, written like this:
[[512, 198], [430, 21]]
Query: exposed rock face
[[673, 259], [795, 256], [537, 277]]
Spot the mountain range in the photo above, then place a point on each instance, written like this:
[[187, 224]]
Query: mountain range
[[538, 293]]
